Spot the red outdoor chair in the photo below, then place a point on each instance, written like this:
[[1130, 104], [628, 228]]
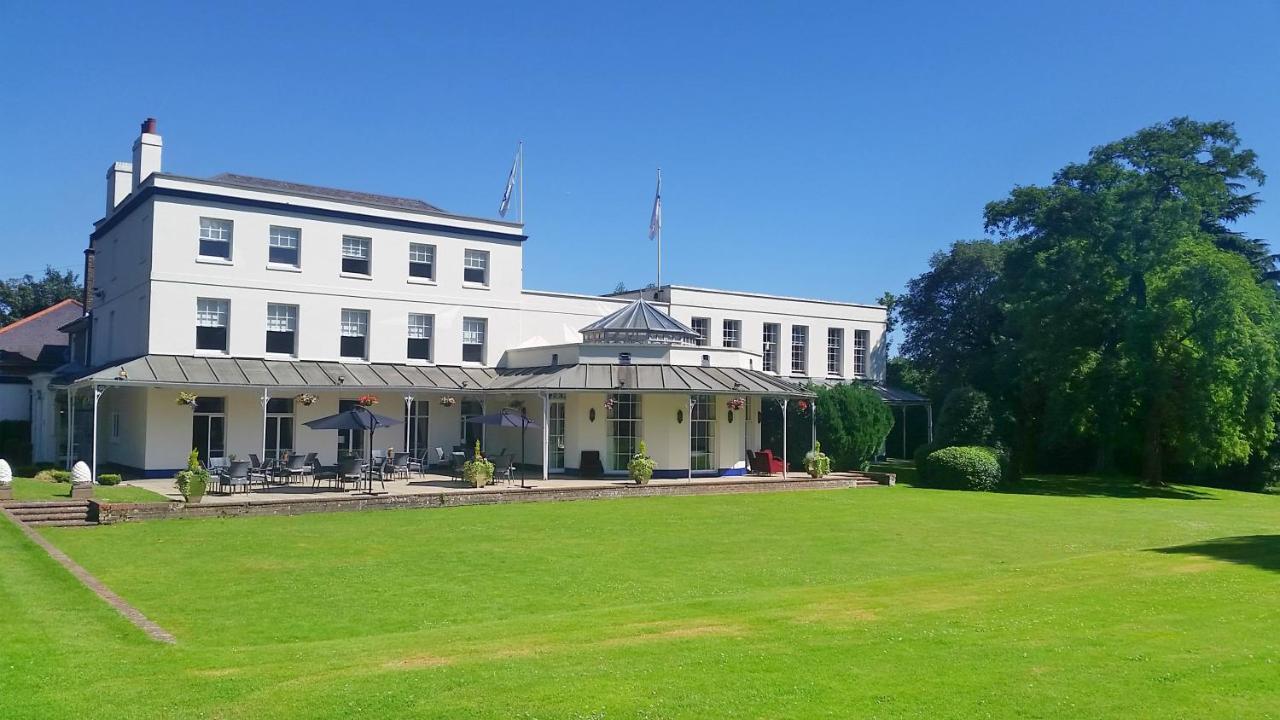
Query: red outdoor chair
[[766, 464]]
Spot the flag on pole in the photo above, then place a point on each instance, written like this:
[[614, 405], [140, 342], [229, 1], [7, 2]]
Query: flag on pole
[[511, 186], [655, 219]]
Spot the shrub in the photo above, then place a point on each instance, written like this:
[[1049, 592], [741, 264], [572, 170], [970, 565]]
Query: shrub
[[965, 419], [961, 467], [109, 479], [852, 424], [478, 471], [816, 462], [62, 476], [193, 481], [640, 469]]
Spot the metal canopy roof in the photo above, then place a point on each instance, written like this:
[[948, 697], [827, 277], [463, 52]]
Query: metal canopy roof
[[638, 322], [183, 370]]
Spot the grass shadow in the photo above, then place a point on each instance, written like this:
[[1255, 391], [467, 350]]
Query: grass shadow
[[1114, 486], [1260, 551]]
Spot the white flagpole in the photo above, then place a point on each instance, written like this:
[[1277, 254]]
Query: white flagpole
[[520, 150]]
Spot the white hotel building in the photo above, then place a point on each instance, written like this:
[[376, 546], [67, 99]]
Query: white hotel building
[[253, 293]]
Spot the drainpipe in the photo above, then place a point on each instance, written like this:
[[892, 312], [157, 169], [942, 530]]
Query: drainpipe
[[97, 394], [71, 424]]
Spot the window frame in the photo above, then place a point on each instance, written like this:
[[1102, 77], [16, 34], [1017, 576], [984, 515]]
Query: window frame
[[360, 319], [229, 240], [835, 352], [222, 312], [467, 255], [731, 339], [272, 235], [771, 350], [430, 326], [290, 316], [367, 259], [431, 249], [704, 333], [861, 349], [800, 350], [484, 338]]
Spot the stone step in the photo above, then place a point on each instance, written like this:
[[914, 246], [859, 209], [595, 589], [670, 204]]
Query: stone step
[[51, 516], [16, 506], [62, 523]]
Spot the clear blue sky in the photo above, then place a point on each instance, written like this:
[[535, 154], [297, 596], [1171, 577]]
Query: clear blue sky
[[806, 149]]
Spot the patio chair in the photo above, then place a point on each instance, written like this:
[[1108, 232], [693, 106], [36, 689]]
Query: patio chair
[[237, 475], [296, 468], [309, 465], [420, 463], [400, 464], [455, 464], [318, 473], [349, 471], [766, 463], [751, 462], [442, 458], [504, 468]]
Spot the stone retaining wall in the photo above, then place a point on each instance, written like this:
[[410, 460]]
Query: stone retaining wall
[[110, 513]]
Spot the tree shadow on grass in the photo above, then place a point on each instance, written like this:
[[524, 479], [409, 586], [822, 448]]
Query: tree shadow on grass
[[1096, 486], [1260, 551]]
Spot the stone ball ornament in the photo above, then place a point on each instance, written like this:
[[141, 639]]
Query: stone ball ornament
[[81, 474], [6, 474]]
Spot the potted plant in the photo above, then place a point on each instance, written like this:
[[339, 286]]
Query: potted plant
[[367, 400], [816, 463], [608, 405], [736, 403], [187, 398], [477, 470], [193, 481], [306, 399], [448, 401], [640, 468]]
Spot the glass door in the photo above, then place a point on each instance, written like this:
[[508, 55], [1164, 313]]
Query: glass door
[[209, 428], [279, 439], [419, 410], [624, 430], [702, 429], [555, 433]]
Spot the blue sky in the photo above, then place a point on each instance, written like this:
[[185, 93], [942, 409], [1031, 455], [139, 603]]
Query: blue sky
[[807, 149]]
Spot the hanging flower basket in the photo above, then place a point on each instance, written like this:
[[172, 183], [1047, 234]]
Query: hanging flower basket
[[367, 400], [187, 398], [448, 401], [803, 405], [305, 399], [608, 405], [736, 403]]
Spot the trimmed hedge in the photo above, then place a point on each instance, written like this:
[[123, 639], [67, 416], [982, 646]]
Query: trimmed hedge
[[109, 479], [965, 467]]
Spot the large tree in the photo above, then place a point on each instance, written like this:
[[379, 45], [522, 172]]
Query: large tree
[[952, 317], [26, 295], [1134, 312]]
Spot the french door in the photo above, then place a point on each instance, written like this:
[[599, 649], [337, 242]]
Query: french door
[[209, 428], [555, 433]]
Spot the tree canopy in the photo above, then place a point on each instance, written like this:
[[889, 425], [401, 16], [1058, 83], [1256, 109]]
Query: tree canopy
[[27, 295], [1118, 315]]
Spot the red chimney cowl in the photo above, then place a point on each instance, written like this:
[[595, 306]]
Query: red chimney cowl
[[149, 125]]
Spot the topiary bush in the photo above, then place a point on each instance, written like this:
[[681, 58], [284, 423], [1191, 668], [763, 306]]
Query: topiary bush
[[852, 424], [109, 479], [961, 467]]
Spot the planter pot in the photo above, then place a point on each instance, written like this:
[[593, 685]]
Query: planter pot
[[477, 479], [640, 480]]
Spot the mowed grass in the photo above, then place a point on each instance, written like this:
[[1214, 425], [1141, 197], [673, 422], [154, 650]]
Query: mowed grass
[[902, 602], [32, 490]]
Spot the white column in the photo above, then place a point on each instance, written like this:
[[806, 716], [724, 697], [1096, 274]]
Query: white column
[[688, 421], [97, 394], [408, 402], [546, 436], [813, 423], [265, 399]]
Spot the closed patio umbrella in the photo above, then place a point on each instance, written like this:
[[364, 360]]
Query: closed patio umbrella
[[357, 418], [509, 418]]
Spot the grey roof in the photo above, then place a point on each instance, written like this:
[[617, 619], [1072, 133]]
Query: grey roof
[[35, 342], [898, 396], [640, 317], [298, 374], [324, 192], [185, 370], [644, 378]]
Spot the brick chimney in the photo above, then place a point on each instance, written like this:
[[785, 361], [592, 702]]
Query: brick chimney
[[146, 153]]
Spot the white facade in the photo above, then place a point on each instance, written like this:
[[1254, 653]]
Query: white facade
[[175, 254]]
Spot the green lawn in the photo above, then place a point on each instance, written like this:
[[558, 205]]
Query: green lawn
[[1095, 601], [28, 489]]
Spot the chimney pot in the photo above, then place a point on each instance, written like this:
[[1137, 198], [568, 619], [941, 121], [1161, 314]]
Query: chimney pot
[[149, 125]]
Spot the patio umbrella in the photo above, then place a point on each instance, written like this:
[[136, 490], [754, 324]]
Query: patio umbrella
[[357, 418], [509, 418]]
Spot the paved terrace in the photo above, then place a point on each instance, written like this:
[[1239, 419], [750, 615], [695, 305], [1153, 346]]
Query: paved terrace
[[432, 484]]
